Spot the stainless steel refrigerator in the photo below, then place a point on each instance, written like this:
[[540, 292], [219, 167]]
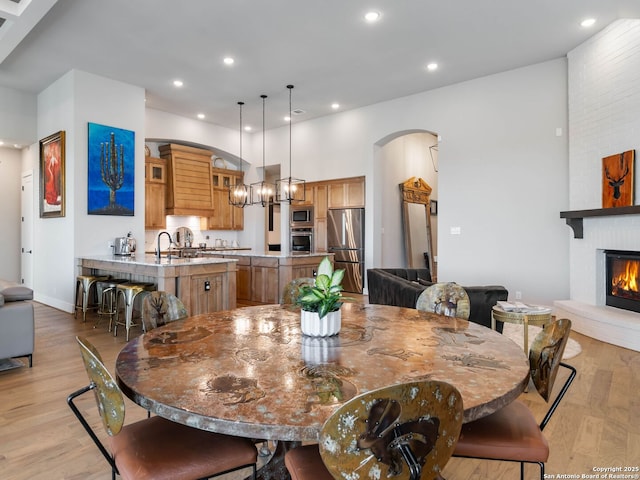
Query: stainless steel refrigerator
[[345, 239]]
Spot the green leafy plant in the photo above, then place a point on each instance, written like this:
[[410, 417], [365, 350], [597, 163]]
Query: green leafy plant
[[325, 295]]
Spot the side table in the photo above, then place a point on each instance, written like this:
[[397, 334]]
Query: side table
[[538, 316]]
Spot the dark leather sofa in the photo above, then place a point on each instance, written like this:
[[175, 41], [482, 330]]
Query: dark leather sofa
[[402, 287]]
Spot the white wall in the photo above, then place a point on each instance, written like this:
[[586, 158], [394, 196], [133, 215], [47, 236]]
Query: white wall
[[17, 117], [70, 104], [10, 169], [502, 179], [604, 106]]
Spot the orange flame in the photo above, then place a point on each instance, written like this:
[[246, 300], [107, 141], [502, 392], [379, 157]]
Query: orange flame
[[628, 278]]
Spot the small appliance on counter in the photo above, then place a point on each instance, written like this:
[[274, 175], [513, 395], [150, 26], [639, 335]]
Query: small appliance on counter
[[124, 246], [183, 237]]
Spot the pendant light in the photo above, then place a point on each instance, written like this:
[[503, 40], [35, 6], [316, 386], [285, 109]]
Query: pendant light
[[262, 192], [290, 189], [239, 193]]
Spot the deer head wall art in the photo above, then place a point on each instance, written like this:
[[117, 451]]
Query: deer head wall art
[[617, 179]]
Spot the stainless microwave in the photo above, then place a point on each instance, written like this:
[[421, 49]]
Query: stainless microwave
[[301, 216]]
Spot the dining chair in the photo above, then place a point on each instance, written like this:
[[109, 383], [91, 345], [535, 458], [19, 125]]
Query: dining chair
[[513, 433], [154, 448], [448, 299], [160, 308], [403, 431], [290, 290]]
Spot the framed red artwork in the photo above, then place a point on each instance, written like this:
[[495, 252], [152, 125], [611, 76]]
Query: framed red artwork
[[52, 176]]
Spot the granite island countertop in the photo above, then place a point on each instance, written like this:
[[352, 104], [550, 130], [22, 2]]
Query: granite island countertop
[[151, 260], [263, 254]]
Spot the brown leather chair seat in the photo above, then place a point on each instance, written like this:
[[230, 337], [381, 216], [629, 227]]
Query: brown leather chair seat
[[305, 462], [511, 432], [160, 449]]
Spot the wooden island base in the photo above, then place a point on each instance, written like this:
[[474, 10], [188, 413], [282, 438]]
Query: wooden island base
[[204, 284]]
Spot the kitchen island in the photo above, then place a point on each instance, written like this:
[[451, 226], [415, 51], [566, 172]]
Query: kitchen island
[[262, 276], [204, 284]]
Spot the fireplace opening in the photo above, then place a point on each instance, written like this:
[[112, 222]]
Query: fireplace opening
[[622, 271]]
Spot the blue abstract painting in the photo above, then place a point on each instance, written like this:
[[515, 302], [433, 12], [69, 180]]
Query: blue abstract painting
[[111, 171]]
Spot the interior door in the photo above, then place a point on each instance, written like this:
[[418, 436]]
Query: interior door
[[26, 230]]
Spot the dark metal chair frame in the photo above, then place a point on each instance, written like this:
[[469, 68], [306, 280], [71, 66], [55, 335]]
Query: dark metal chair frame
[[105, 453], [552, 408]]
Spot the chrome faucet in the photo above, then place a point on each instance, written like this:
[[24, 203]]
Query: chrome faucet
[[158, 246]]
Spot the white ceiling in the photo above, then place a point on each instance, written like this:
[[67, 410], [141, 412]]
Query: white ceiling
[[322, 47]]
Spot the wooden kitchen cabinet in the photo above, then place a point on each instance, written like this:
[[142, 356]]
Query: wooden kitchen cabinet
[[308, 194], [243, 278], [189, 190], [225, 216], [207, 293], [320, 220], [320, 235], [347, 193], [261, 278], [321, 200], [155, 185], [264, 280]]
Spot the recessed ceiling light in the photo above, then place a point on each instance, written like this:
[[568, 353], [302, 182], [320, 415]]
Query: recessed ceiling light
[[228, 61], [588, 22], [432, 66], [287, 118], [335, 106], [201, 116], [248, 128], [1, 142], [372, 16], [178, 83], [17, 146]]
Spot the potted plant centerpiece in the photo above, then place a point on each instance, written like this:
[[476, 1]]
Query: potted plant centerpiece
[[320, 302]]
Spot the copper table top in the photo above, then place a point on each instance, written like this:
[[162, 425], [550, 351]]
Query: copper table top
[[250, 372]]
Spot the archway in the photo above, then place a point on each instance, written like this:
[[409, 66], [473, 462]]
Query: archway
[[398, 156]]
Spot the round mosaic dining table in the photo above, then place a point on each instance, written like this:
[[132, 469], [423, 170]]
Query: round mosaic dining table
[[250, 372]]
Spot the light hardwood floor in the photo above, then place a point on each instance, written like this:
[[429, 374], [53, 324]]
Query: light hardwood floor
[[597, 425]]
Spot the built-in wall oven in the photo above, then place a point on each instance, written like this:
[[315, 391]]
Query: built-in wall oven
[[301, 240]]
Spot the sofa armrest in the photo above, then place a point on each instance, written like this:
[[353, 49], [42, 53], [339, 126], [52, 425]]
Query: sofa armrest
[[387, 288], [14, 292], [482, 300], [17, 329]]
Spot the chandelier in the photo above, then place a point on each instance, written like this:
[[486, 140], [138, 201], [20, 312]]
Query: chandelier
[[239, 193], [262, 192], [290, 189]]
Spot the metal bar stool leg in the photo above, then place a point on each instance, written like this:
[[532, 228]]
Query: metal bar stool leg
[[128, 293], [84, 283]]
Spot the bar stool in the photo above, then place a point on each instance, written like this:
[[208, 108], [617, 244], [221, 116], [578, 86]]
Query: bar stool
[[106, 290], [128, 292], [83, 288]]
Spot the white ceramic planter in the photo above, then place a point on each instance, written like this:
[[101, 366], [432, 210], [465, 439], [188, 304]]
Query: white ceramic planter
[[314, 326], [319, 350]]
